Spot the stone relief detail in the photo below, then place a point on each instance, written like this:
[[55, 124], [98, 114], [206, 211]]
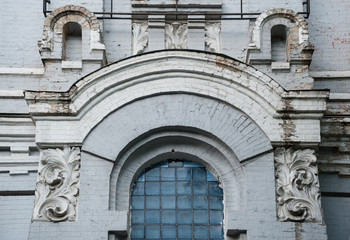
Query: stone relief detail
[[213, 37], [176, 35], [46, 42], [297, 187], [140, 37], [57, 187]]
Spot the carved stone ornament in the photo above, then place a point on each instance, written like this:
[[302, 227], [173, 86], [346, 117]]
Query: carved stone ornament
[[176, 35], [298, 191], [213, 36], [57, 187], [140, 37]]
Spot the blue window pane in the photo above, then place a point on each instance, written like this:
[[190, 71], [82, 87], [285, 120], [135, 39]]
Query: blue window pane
[[200, 216], [214, 188], [141, 177], [184, 188], [152, 217], [137, 202], [169, 232], [168, 174], [152, 188], [137, 216], [152, 232], [210, 177], [152, 174], [168, 202], [215, 202], [200, 232], [200, 202], [200, 188], [139, 189], [168, 216], [137, 231], [183, 174], [192, 164], [168, 188], [184, 231], [216, 217], [199, 174], [152, 202], [184, 217], [184, 202], [216, 232]]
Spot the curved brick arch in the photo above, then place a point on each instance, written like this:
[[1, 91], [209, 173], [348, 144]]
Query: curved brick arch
[[194, 73], [282, 15]]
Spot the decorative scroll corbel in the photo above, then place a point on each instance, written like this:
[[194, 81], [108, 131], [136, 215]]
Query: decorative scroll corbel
[[57, 187], [176, 35], [140, 37], [297, 186], [213, 37]]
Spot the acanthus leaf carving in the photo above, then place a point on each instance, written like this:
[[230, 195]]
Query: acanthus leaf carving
[[213, 36], [297, 186], [176, 35], [140, 37], [57, 187]]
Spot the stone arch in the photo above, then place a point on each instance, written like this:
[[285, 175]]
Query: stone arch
[[196, 73], [51, 43]]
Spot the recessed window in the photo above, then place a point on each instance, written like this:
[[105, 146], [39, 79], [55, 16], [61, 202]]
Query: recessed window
[[177, 200], [279, 43], [72, 42]]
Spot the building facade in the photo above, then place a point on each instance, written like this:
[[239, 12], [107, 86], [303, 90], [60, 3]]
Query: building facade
[[175, 119]]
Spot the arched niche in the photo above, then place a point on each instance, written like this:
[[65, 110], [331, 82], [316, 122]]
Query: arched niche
[[299, 49], [51, 45]]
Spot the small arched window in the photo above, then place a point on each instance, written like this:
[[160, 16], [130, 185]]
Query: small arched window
[[177, 200], [279, 43], [72, 42]]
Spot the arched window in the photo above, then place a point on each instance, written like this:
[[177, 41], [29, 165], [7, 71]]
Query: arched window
[[72, 42], [177, 200], [279, 43]]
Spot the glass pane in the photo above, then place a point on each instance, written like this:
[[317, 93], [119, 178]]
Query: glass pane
[[168, 202], [215, 202], [201, 232], [152, 202], [184, 202], [168, 188], [169, 232], [199, 174], [184, 217], [152, 232], [141, 177], [200, 202], [168, 216], [200, 188], [216, 232], [152, 217], [152, 188], [152, 174], [139, 189], [183, 173], [200, 216], [168, 174], [138, 202], [137, 231], [216, 217], [192, 164], [214, 188], [138, 216], [183, 187], [184, 231], [210, 177]]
